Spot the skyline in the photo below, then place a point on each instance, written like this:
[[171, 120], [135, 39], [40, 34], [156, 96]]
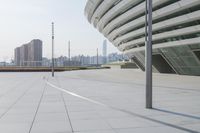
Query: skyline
[[23, 21]]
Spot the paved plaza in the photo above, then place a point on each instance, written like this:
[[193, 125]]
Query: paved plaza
[[98, 101]]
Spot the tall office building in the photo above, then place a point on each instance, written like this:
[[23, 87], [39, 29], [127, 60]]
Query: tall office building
[[104, 52], [29, 54]]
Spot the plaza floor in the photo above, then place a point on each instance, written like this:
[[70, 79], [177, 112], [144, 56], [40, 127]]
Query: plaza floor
[[98, 101]]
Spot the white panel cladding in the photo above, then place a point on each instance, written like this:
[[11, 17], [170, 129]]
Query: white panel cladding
[[167, 44], [164, 35], [141, 31], [127, 15], [103, 7], [157, 14], [187, 2], [124, 18], [161, 25], [90, 8], [111, 20], [115, 11]]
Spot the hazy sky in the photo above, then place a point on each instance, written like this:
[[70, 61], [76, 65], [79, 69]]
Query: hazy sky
[[23, 20]]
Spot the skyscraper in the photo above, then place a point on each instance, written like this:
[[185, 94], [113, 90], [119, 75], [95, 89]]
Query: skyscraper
[[104, 52]]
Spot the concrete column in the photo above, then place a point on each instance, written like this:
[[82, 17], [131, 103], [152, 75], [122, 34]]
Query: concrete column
[[148, 54]]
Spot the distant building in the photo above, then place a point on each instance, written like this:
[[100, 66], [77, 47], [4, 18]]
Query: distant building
[[3, 64], [81, 60], [46, 62], [113, 57], [104, 52], [17, 56], [24, 55], [72, 63], [35, 53], [29, 54]]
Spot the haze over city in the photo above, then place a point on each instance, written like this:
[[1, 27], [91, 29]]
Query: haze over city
[[26, 20]]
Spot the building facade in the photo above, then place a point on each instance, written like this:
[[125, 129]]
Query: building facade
[[24, 55], [29, 54], [17, 56], [176, 31]]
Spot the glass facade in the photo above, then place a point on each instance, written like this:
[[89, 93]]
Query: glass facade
[[184, 60]]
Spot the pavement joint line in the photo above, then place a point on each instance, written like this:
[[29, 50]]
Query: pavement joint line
[[11, 89], [69, 116], [66, 109], [122, 110], [138, 84], [18, 99], [76, 95], [34, 118]]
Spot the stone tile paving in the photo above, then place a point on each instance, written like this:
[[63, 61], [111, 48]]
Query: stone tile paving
[[29, 105]]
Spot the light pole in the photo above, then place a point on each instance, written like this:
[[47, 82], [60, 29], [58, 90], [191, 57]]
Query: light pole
[[52, 49], [69, 56], [148, 53], [97, 57]]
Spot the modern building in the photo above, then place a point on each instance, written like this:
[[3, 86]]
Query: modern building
[[104, 52], [29, 54], [176, 31]]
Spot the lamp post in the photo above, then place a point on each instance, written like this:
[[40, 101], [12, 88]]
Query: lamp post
[[69, 56], [148, 53], [52, 49], [97, 57]]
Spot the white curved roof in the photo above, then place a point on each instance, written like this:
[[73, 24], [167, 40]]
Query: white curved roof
[[123, 21]]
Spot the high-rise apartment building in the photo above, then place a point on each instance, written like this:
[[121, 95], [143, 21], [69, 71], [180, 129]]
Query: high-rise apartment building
[[17, 56], [29, 54], [24, 55], [35, 53]]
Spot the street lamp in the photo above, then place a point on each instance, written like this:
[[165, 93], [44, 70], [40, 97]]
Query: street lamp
[[52, 49], [69, 56], [97, 57]]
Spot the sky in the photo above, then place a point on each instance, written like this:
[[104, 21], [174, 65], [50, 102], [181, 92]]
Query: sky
[[24, 20]]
